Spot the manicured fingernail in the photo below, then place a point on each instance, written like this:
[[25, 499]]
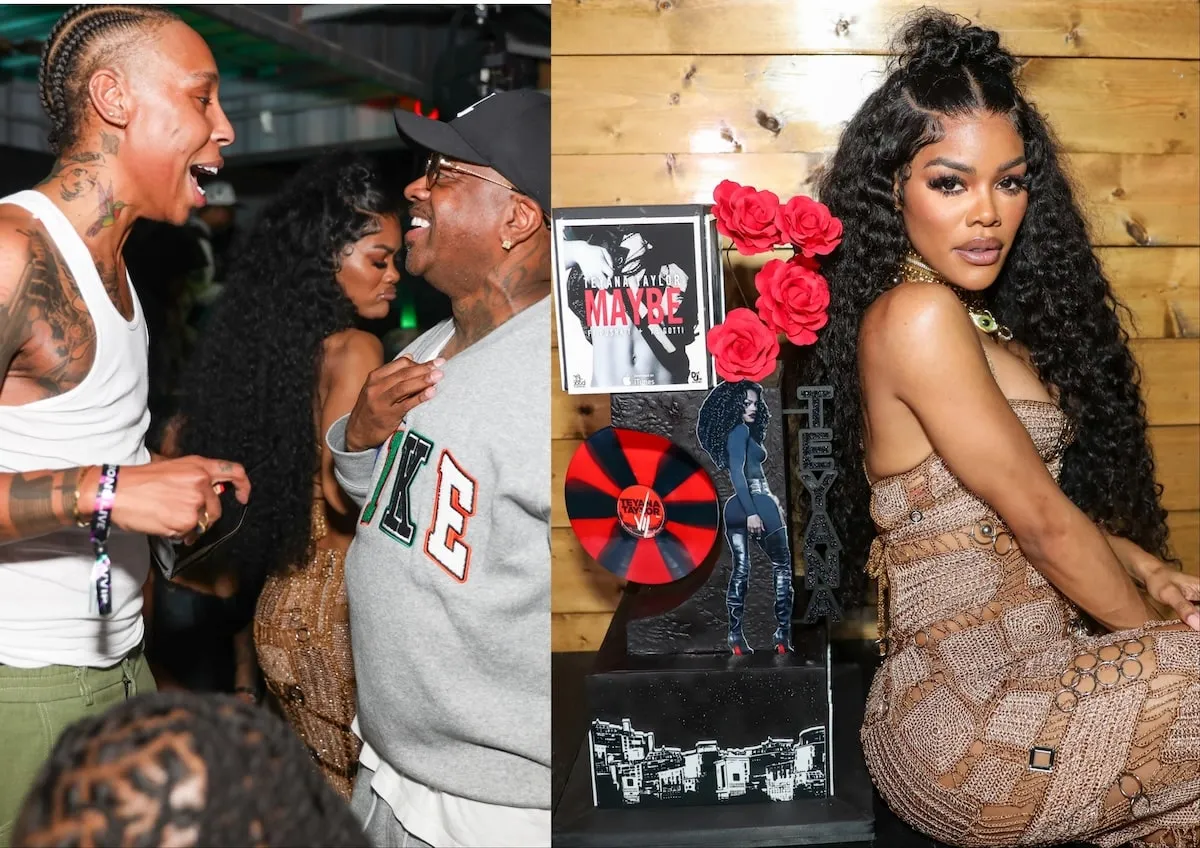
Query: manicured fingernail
[[434, 376], [1193, 621], [439, 362], [430, 392]]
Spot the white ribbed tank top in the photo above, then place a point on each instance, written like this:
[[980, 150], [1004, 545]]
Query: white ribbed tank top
[[45, 581]]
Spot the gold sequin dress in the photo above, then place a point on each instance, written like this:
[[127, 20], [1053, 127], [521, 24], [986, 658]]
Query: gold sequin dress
[[995, 718], [302, 635]]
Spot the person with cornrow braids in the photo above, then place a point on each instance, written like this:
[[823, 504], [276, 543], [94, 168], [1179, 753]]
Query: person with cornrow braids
[[183, 769], [131, 93]]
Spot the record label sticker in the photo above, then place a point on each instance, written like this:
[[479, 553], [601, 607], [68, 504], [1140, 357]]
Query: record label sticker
[[641, 512]]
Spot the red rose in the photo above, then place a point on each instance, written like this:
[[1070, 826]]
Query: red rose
[[808, 225], [809, 262], [744, 349], [747, 216], [793, 300]]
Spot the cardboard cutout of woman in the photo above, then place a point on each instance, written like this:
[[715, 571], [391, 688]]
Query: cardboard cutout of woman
[[731, 428]]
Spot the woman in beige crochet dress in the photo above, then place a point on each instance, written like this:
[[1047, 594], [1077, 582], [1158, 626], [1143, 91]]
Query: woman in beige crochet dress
[[1030, 694], [279, 361]]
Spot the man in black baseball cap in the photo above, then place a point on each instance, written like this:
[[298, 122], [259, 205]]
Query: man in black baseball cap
[[488, 169], [448, 453], [508, 132]]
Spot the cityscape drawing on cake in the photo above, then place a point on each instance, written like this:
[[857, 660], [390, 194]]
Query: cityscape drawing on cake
[[629, 769]]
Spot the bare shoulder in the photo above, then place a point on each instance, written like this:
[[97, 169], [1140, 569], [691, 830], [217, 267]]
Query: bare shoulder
[[352, 353], [914, 321]]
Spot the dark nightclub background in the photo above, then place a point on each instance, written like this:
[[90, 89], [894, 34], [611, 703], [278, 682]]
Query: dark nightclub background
[[296, 80]]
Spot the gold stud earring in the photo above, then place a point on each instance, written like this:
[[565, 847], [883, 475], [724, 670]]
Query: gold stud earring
[[506, 244]]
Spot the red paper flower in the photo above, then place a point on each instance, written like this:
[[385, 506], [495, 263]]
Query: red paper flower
[[747, 216], [809, 262], [808, 225], [742, 347], [793, 300]]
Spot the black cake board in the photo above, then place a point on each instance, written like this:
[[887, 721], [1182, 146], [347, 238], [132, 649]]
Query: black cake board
[[844, 818]]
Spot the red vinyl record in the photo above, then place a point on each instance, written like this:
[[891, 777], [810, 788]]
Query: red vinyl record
[[641, 506]]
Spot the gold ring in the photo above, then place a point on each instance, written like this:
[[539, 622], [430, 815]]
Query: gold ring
[[202, 525]]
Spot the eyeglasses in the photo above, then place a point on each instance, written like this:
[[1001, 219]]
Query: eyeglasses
[[437, 163]]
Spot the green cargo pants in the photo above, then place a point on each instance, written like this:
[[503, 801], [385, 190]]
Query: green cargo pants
[[38, 704]]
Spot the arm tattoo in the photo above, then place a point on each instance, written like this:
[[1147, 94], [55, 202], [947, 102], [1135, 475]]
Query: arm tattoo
[[47, 307], [30, 502], [36, 502]]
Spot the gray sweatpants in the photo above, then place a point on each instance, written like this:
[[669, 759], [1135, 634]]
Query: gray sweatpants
[[382, 828]]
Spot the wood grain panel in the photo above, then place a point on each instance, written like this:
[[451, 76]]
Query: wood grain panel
[[561, 451], [1161, 287], [1171, 379], [1131, 199], [578, 631], [1177, 465], [1028, 27], [578, 583], [1185, 539], [576, 416], [656, 101], [788, 104]]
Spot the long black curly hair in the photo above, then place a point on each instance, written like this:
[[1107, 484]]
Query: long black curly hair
[[1051, 291], [721, 411], [183, 768], [249, 390]]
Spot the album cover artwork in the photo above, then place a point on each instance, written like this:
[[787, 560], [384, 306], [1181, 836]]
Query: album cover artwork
[[636, 290]]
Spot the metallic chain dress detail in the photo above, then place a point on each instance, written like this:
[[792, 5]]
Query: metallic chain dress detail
[[302, 634]]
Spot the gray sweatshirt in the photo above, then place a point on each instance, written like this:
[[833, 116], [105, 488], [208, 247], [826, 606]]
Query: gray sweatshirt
[[449, 572]]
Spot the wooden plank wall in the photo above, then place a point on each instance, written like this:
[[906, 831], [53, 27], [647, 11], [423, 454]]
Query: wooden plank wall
[[656, 101]]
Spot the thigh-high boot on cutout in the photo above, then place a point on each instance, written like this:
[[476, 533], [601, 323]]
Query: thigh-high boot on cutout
[[735, 597], [776, 547]]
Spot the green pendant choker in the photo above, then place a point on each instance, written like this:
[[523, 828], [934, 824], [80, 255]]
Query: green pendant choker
[[915, 268]]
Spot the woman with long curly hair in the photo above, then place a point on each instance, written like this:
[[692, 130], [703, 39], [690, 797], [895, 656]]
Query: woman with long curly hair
[[731, 427], [985, 386], [277, 364]]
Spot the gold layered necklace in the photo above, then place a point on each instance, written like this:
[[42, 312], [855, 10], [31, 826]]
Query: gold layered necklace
[[915, 268]]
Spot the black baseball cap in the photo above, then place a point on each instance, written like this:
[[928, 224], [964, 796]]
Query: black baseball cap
[[508, 131]]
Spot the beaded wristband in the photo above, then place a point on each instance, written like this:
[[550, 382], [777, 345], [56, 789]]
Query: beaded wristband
[[101, 521]]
